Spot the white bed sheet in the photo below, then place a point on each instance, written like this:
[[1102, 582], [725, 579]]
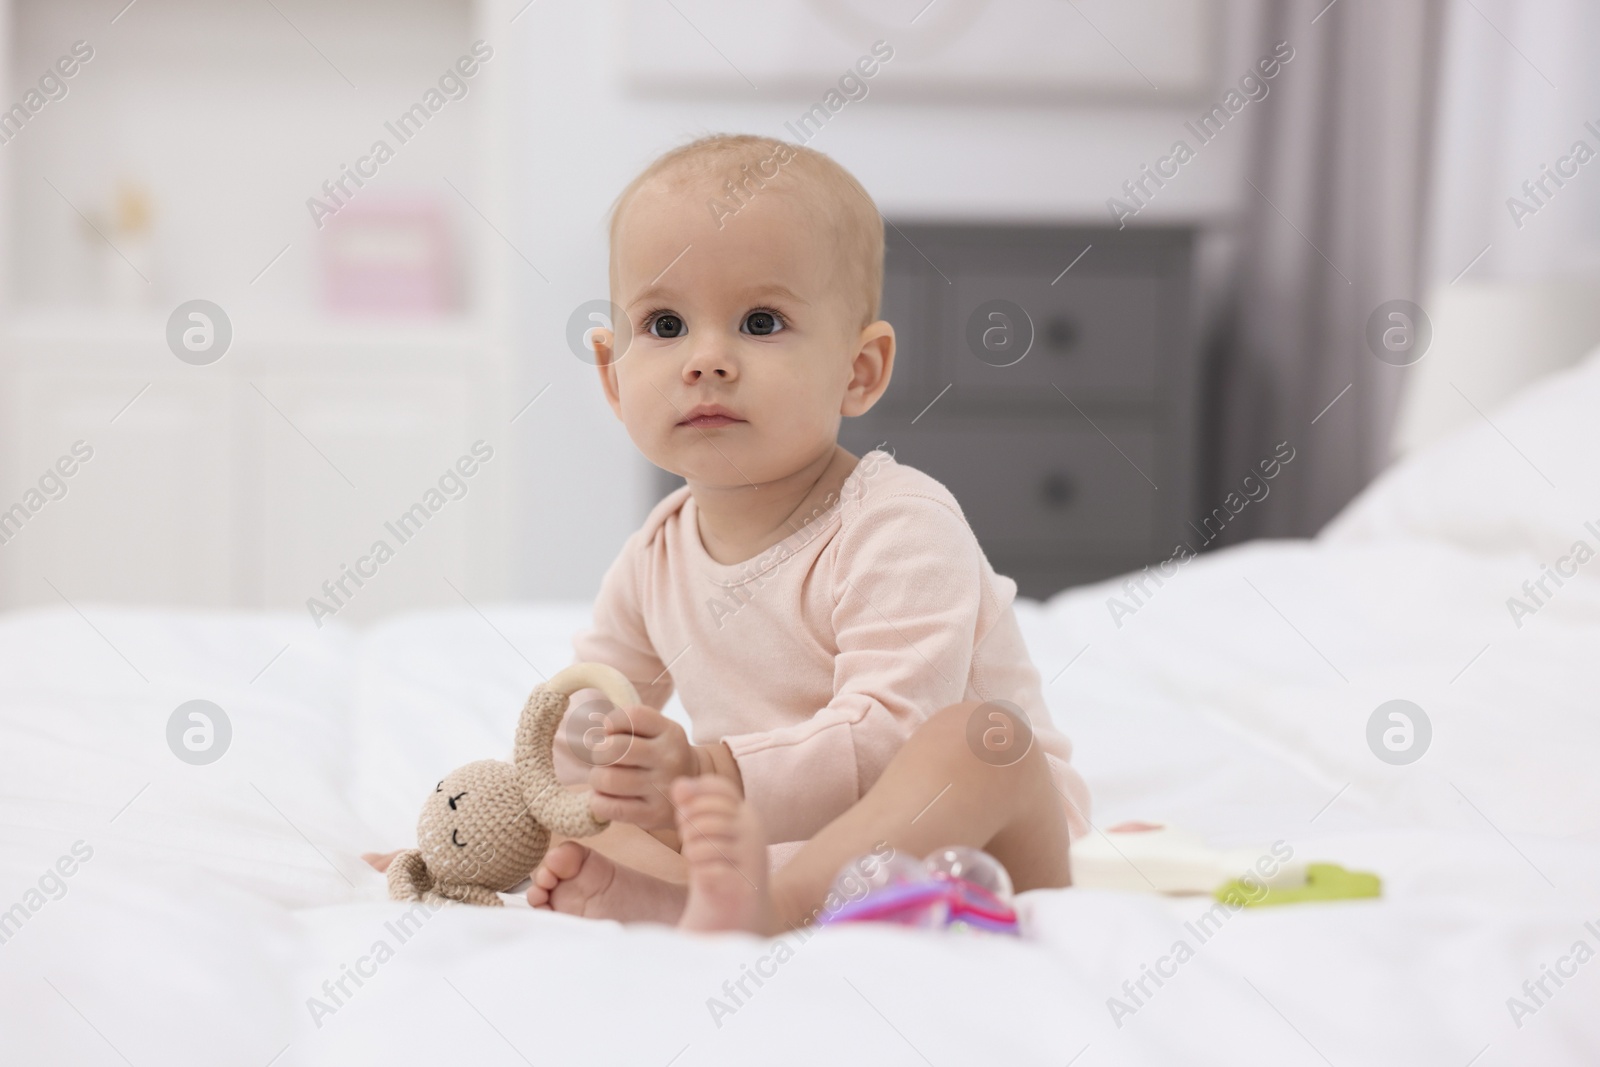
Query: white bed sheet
[[219, 899]]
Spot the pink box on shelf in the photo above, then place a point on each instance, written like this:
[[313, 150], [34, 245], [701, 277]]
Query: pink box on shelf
[[389, 257]]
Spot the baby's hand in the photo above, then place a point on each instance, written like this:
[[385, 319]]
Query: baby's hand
[[642, 753]]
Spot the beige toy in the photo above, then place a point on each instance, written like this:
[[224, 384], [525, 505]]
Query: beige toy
[[487, 825]]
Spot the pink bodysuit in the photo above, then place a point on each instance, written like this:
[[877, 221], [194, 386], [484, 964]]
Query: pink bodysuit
[[816, 659]]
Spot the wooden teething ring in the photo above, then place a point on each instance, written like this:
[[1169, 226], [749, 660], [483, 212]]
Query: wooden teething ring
[[559, 810]]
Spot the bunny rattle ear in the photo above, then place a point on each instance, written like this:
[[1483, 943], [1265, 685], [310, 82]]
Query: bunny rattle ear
[[556, 808]]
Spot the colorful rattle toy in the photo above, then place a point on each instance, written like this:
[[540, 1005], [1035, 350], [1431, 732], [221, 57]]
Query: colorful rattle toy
[[955, 888], [488, 824]]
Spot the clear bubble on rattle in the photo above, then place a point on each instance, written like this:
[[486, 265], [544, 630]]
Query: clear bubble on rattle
[[872, 871], [971, 865]]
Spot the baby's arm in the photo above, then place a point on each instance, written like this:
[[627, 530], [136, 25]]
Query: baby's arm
[[619, 637], [629, 757]]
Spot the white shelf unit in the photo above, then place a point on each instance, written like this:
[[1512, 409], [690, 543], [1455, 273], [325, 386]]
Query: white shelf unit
[[251, 481]]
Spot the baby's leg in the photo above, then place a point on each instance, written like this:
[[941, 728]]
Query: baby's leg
[[935, 792], [621, 873], [641, 850]]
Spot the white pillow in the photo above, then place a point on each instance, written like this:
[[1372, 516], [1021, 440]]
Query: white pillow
[[1523, 478]]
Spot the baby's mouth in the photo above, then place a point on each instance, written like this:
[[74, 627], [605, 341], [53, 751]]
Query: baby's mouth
[[706, 416]]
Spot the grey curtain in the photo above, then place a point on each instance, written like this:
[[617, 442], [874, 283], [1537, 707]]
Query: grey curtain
[[1332, 227]]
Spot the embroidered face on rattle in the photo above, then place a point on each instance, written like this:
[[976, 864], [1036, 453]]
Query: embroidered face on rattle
[[476, 828]]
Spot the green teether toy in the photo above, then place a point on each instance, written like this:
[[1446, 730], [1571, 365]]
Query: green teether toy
[[1324, 881]]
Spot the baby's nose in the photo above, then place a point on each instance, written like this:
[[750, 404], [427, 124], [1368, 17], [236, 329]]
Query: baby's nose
[[709, 357]]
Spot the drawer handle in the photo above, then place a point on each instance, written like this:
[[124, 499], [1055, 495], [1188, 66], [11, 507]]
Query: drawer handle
[[1061, 335], [1057, 490]]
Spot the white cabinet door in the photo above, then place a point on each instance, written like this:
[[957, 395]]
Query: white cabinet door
[[148, 517], [266, 480]]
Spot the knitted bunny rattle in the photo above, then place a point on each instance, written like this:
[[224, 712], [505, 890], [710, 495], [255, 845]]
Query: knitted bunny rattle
[[488, 824]]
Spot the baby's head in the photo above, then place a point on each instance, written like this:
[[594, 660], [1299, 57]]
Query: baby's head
[[748, 272]]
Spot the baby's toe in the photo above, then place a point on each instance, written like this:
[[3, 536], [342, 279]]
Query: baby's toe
[[564, 861]]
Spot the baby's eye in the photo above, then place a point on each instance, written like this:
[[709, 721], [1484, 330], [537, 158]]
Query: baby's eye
[[762, 323], [440, 787], [667, 325]]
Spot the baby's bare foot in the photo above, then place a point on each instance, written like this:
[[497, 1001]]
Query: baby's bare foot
[[380, 860], [576, 880], [726, 856]]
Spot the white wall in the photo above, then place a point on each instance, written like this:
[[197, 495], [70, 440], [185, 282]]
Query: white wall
[[1509, 302], [581, 137], [1519, 82]]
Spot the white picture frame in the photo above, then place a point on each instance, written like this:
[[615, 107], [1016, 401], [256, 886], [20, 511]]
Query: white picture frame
[[1158, 51]]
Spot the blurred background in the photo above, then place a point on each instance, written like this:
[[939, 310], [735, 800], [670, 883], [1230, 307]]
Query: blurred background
[[392, 216]]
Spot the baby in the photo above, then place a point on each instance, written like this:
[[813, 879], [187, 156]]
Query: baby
[[851, 664]]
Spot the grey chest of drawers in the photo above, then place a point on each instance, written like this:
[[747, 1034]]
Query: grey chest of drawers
[[1047, 376]]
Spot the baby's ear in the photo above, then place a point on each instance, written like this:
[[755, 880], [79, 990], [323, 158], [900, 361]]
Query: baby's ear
[[409, 877]]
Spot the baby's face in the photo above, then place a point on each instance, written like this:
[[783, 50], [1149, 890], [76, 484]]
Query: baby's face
[[746, 348]]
